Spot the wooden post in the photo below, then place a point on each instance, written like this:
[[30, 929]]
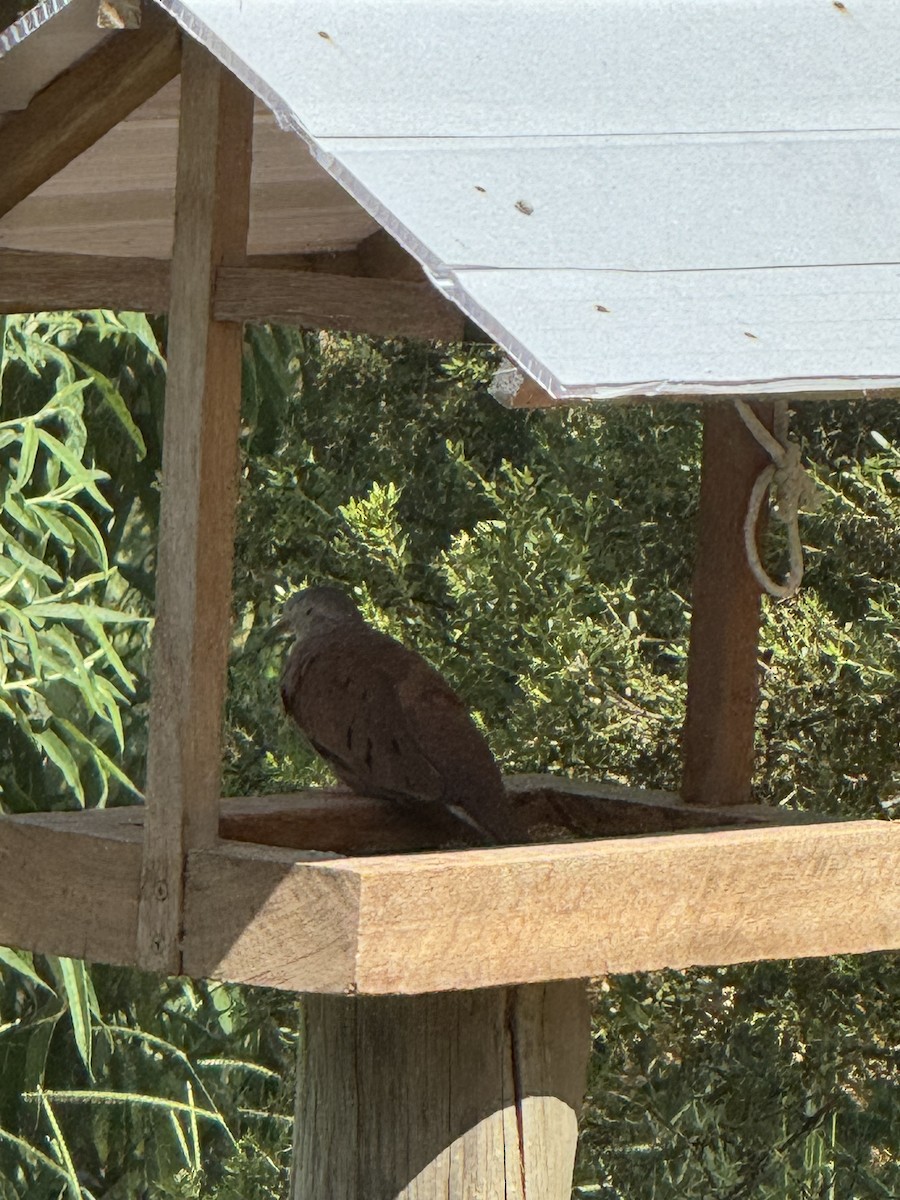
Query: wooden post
[[723, 675], [447, 1096], [199, 481]]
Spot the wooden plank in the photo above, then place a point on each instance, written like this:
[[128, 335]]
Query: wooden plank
[[200, 465], [332, 819], [84, 103], [460, 919], [723, 673], [491, 917], [455, 1094], [33, 282], [381, 307], [68, 887], [240, 901], [315, 291], [486, 917]]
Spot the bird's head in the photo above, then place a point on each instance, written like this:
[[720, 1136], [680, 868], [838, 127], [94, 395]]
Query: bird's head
[[313, 609]]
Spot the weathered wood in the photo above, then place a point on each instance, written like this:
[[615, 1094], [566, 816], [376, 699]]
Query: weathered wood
[[723, 672], [84, 103], [315, 291], [489, 917], [32, 282], [200, 464], [69, 887], [441, 1097], [382, 307], [238, 901], [460, 919], [329, 819]]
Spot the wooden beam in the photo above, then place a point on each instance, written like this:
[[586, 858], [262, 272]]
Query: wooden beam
[[31, 282], [723, 671], [455, 1094], [69, 886], [315, 291], [460, 919], [84, 103], [483, 918], [382, 307], [200, 467]]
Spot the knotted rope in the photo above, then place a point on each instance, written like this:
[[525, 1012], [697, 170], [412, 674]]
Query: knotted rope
[[792, 489]]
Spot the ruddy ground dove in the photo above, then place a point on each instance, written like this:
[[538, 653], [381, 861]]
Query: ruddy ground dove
[[386, 721]]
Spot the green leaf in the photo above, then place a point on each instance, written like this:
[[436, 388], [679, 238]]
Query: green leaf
[[61, 756], [77, 990], [103, 761], [56, 525], [21, 964], [113, 398], [35, 566], [63, 610], [110, 651], [87, 477], [20, 514], [27, 455]]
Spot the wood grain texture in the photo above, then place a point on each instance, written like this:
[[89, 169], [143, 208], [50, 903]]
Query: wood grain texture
[[118, 197], [199, 491], [460, 919], [33, 282], [335, 288], [442, 1097], [70, 887], [490, 917], [486, 917], [84, 103], [382, 307], [243, 902], [723, 672]]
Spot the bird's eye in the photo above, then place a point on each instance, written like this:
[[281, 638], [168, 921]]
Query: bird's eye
[[309, 611]]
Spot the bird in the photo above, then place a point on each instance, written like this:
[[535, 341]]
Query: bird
[[387, 723]]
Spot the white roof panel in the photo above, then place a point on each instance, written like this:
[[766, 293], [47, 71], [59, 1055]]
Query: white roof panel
[[633, 197]]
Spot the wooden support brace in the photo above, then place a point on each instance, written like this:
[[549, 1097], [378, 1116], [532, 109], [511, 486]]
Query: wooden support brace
[[193, 596], [314, 291], [36, 282], [441, 1097], [381, 307], [723, 674], [84, 103]]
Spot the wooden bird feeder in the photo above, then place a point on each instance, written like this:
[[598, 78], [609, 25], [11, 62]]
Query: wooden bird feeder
[[586, 195]]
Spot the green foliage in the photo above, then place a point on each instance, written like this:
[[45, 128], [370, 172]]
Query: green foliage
[[63, 682], [769, 1081], [143, 1098]]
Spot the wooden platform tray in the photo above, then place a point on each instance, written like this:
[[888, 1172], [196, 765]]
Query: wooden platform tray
[[300, 893]]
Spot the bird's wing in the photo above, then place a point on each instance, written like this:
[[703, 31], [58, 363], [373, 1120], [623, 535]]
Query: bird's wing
[[390, 725], [342, 691]]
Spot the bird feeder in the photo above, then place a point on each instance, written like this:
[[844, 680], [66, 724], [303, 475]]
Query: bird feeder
[[636, 201]]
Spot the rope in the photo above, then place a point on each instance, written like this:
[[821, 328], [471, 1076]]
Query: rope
[[792, 489]]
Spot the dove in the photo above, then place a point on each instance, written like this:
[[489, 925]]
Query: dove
[[387, 723]]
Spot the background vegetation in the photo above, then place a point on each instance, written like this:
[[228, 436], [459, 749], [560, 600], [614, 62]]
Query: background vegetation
[[556, 547]]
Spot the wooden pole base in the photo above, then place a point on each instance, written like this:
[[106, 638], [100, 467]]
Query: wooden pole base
[[445, 1096]]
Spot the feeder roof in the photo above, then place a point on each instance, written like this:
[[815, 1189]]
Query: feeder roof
[[632, 197]]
